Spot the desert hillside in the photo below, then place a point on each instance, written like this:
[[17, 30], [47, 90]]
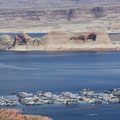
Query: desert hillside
[[66, 19], [53, 3], [13, 114]]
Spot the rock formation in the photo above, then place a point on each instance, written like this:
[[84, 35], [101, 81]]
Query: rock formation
[[6, 42], [54, 41], [21, 39]]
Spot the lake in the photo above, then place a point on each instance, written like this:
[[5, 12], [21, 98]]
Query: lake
[[29, 34], [62, 71]]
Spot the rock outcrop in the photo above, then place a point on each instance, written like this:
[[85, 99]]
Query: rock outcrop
[[22, 39], [6, 42]]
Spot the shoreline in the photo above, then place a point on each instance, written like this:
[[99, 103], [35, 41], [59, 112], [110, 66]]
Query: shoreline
[[69, 50], [14, 114], [88, 48]]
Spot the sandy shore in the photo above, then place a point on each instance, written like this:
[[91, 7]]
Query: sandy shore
[[14, 114]]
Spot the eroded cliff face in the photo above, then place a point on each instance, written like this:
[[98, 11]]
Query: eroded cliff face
[[79, 19], [54, 41], [48, 14], [52, 3], [36, 15]]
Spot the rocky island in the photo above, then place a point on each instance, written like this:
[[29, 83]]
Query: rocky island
[[59, 41]]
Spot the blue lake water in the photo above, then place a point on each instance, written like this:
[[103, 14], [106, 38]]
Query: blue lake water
[[30, 34], [38, 34], [62, 71]]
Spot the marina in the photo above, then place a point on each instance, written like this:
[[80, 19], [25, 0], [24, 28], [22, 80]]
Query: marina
[[6, 102], [66, 98], [65, 75]]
